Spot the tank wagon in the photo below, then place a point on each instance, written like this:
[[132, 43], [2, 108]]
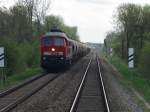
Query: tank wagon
[[57, 49]]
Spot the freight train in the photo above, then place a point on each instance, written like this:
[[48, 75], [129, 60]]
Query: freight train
[[57, 49]]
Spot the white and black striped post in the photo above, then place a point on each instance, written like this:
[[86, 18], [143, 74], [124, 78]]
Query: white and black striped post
[[111, 52], [2, 64], [131, 57]]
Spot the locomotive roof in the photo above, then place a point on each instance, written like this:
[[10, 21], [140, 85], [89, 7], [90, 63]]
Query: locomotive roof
[[62, 34], [57, 32]]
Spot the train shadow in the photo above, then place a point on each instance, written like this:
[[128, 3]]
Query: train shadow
[[57, 69]]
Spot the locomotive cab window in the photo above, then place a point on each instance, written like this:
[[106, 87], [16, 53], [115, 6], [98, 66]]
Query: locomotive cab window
[[59, 42], [47, 41]]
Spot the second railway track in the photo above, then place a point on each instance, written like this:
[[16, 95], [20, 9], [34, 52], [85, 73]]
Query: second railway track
[[12, 98], [91, 95]]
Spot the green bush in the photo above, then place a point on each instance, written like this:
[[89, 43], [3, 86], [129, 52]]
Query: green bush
[[20, 56], [144, 60]]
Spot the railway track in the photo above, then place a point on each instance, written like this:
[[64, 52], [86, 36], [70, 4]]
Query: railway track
[[91, 95], [6, 92], [14, 96]]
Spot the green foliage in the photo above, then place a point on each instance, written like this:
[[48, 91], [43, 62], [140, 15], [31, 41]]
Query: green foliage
[[20, 29], [57, 22], [146, 36], [17, 78], [144, 61], [22, 61], [133, 30], [20, 36], [53, 21], [71, 32], [20, 56], [132, 77], [117, 48]]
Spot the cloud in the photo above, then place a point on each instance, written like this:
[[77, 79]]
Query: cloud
[[92, 20], [7, 3]]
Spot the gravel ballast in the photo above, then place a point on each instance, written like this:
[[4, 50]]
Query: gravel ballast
[[58, 95], [120, 98]]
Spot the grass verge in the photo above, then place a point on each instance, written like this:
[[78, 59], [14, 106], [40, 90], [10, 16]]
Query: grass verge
[[132, 77], [18, 78]]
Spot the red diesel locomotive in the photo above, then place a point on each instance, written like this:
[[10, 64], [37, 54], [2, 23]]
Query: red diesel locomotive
[[58, 49]]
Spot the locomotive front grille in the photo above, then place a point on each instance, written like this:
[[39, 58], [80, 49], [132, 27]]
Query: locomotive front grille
[[48, 61]]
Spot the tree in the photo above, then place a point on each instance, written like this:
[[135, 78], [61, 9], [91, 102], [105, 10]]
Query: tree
[[37, 10], [130, 18], [19, 23], [57, 22], [71, 32], [4, 21], [53, 21], [146, 23]]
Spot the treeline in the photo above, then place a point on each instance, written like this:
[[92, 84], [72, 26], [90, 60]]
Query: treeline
[[20, 29], [132, 23]]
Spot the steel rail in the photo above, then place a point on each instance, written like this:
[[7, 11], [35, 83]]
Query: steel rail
[[9, 91], [80, 87], [25, 97], [103, 87]]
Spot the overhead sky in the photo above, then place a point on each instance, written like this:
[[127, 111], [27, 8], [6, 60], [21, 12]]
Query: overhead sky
[[92, 17]]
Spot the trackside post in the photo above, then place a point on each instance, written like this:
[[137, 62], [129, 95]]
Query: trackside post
[[2, 65]]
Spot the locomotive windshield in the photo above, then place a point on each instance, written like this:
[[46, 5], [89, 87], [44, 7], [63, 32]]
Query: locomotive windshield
[[56, 41], [46, 41], [59, 42]]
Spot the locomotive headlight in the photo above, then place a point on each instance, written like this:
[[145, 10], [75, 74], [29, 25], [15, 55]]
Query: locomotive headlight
[[53, 49], [44, 58], [61, 58]]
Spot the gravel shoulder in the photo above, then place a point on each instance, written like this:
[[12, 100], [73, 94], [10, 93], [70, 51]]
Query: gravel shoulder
[[120, 98]]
